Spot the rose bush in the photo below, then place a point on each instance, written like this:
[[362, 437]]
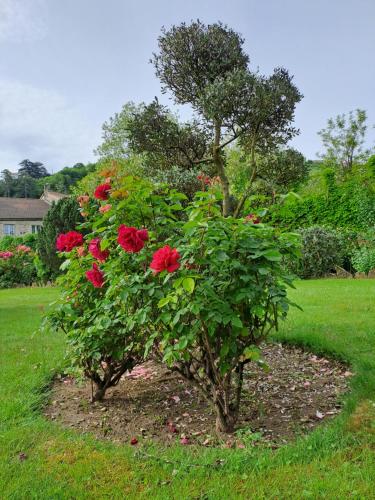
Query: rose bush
[[175, 281], [93, 312], [17, 267]]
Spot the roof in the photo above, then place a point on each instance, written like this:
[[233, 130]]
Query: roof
[[51, 196], [22, 209]]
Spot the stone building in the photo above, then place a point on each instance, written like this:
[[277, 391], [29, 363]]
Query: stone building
[[24, 215]]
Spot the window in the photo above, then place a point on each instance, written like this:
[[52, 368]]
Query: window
[[9, 229], [35, 229]]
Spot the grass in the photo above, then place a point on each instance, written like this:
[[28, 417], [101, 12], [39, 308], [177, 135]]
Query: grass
[[335, 461]]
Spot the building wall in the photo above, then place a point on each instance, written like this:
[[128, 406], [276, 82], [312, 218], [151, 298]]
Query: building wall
[[20, 226]]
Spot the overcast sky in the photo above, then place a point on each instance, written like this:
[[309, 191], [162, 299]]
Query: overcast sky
[[66, 66]]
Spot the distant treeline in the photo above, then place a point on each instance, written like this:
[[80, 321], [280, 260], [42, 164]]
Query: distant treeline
[[32, 177]]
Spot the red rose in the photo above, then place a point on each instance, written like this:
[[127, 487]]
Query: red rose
[[252, 218], [165, 258], [96, 251], [132, 239], [66, 242], [102, 191], [96, 276]]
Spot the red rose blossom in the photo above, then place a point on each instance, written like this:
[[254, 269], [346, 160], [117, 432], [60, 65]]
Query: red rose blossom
[[96, 251], [96, 276], [132, 239], [102, 191], [67, 241], [165, 258]]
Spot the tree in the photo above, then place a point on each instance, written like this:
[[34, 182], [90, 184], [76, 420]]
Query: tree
[[343, 140], [7, 183], [206, 67], [282, 171], [26, 187], [32, 169], [153, 132], [62, 217]]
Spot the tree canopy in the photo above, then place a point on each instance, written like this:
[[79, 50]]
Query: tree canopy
[[206, 67], [343, 140]]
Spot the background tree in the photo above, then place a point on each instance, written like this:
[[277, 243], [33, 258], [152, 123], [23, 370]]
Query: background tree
[[32, 169], [206, 67], [62, 217], [282, 171], [26, 186], [343, 140], [7, 183]]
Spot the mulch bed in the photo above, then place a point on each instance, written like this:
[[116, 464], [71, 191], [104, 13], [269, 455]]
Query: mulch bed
[[153, 404]]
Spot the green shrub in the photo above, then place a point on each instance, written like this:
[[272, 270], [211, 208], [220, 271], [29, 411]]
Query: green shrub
[[17, 267], [322, 250], [363, 259], [63, 216], [182, 283], [11, 242]]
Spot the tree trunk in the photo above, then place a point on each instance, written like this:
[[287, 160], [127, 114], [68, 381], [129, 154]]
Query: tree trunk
[[99, 394], [219, 164], [224, 420]]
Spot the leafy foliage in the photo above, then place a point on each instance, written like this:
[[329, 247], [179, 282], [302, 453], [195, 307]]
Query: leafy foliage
[[343, 140], [17, 269], [363, 259], [206, 67], [62, 216], [346, 204], [322, 251], [198, 290], [11, 242]]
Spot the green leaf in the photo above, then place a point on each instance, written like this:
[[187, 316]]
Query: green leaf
[[237, 322], [65, 264], [189, 285], [163, 302], [273, 255]]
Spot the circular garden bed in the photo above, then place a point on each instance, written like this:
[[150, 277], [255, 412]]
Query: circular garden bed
[[152, 404]]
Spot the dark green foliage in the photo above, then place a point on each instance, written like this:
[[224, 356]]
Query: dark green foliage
[[27, 187], [206, 67], [29, 182], [154, 131], [33, 169], [282, 171], [322, 251], [193, 56], [63, 216]]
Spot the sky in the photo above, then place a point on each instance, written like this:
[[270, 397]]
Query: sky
[[67, 66]]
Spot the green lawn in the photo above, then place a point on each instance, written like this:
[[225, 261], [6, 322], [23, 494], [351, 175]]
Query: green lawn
[[336, 461]]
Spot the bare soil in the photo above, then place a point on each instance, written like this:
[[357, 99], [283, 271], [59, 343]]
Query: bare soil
[[153, 404]]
